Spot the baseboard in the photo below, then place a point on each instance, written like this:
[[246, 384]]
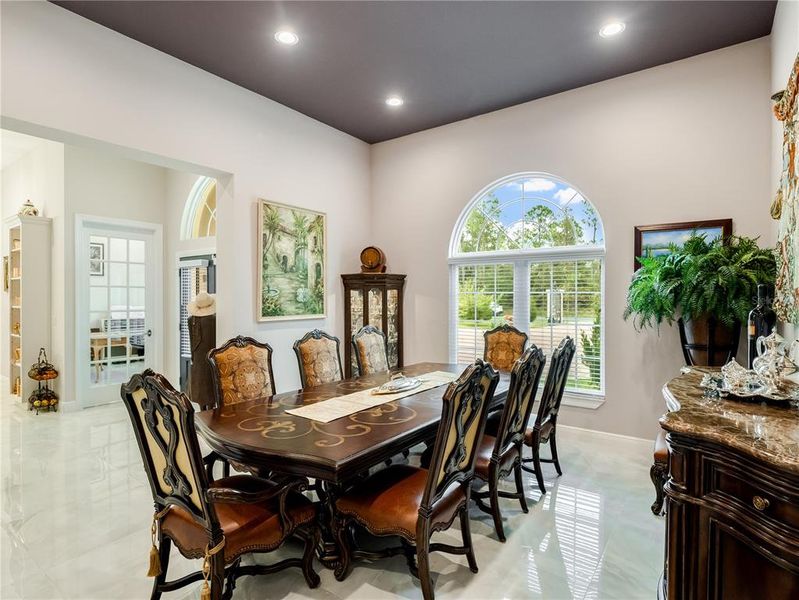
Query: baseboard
[[618, 435]]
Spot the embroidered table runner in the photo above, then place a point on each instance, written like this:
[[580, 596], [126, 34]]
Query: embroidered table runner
[[342, 406]]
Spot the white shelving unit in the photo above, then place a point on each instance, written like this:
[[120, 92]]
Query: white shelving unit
[[29, 257]]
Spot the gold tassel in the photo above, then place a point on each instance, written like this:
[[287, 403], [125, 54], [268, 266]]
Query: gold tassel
[[205, 594], [155, 557], [155, 563]]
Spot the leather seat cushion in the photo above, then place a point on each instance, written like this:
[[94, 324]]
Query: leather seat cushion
[[484, 452], [661, 448], [247, 527], [388, 502], [546, 431]]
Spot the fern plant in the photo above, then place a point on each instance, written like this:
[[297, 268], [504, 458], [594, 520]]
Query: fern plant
[[701, 279]]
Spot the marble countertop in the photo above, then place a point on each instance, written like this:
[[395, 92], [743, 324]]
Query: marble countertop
[[765, 431]]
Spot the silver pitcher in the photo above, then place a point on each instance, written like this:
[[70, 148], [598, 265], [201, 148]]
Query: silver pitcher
[[774, 361]]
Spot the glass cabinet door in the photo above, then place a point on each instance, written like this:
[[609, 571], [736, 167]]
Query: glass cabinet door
[[392, 335], [376, 308], [356, 322]]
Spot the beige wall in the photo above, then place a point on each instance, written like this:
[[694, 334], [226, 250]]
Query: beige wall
[[784, 48], [681, 142], [73, 77], [100, 184]]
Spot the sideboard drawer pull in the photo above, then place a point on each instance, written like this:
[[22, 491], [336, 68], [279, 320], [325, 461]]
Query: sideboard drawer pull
[[760, 503]]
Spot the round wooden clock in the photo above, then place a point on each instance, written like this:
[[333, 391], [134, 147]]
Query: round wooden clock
[[373, 260]]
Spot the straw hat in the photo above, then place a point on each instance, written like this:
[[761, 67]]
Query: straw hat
[[203, 305]]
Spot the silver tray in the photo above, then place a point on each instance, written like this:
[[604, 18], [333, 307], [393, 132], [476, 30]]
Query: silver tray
[[757, 393], [400, 384]]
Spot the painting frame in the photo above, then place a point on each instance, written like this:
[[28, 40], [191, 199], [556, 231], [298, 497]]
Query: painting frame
[[96, 264], [642, 230], [315, 274]]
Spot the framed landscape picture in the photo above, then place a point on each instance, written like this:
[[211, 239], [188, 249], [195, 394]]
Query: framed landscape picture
[[292, 262], [654, 240]]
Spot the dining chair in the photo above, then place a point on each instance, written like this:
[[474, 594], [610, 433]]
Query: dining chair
[[318, 358], [545, 428], [371, 352], [218, 522], [500, 455], [503, 346], [241, 370], [412, 502]]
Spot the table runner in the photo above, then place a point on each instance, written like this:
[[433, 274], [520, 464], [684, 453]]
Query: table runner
[[342, 406]]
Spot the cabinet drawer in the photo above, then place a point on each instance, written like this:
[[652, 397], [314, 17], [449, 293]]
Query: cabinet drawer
[[754, 496]]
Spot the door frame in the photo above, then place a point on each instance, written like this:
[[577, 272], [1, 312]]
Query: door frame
[[125, 226], [174, 310]]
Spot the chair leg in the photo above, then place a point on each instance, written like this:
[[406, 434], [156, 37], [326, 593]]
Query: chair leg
[[164, 548], [493, 489], [217, 576], [311, 541], [554, 447], [466, 533], [423, 560], [520, 487], [658, 473], [539, 475]]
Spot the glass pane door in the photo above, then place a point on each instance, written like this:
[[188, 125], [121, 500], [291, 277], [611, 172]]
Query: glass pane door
[[117, 309]]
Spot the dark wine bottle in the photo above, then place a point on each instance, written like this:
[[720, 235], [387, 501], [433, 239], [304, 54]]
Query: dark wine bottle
[[761, 320]]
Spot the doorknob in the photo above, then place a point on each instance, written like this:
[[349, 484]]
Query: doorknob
[[149, 333]]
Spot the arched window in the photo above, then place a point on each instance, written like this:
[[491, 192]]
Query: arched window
[[529, 250], [199, 214]]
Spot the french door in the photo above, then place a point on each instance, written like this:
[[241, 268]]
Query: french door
[[118, 305]]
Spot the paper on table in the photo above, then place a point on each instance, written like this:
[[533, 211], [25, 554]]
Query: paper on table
[[336, 408]]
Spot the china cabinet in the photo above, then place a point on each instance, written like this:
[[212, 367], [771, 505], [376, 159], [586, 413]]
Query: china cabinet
[[373, 299], [28, 243]]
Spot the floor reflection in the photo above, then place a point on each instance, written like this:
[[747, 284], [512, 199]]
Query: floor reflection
[[76, 512]]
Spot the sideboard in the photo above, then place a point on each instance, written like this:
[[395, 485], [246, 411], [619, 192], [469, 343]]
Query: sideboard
[[732, 497]]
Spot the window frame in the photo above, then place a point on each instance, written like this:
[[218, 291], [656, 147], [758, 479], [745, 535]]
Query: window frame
[[521, 261]]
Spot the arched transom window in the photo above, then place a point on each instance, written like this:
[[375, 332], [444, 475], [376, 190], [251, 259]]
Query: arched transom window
[[529, 251], [199, 214]]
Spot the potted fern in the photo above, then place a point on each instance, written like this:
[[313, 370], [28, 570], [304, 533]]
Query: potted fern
[[707, 287]]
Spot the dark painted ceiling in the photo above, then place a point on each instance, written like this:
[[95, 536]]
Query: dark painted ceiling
[[448, 60]]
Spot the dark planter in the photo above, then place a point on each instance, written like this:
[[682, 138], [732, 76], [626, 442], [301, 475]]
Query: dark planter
[[708, 343]]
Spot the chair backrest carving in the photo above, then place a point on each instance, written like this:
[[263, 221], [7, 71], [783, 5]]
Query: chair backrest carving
[[163, 420], [556, 382], [371, 354], [242, 370], [503, 346], [462, 422], [524, 380], [318, 358]]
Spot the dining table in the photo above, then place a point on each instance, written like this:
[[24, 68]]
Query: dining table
[[261, 434]]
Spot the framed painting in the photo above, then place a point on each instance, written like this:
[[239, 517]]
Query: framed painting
[[96, 258], [292, 255], [654, 240]]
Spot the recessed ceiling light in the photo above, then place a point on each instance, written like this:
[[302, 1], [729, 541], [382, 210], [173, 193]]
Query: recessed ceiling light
[[611, 29], [394, 101], [289, 38]]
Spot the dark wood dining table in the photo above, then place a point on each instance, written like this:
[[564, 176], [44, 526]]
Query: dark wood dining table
[[261, 434]]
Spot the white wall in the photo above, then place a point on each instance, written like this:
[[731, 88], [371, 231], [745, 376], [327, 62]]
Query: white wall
[[784, 48], [37, 175], [65, 73], [679, 142]]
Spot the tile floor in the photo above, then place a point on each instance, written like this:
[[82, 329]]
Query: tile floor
[[76, 511]]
